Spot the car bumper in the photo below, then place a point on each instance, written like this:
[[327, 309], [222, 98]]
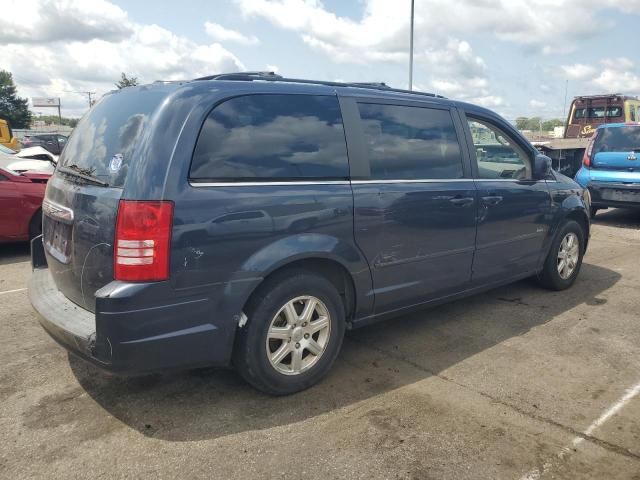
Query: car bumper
[[127, 335], [611, 194]]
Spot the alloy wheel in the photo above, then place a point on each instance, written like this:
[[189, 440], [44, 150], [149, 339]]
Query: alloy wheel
[[298, 335], [568, 255]]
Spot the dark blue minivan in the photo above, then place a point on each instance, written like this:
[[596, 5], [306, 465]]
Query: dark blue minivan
[[249, 219]]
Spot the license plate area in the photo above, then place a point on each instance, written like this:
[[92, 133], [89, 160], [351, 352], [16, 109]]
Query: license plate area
[[57, 239], [618, 195]]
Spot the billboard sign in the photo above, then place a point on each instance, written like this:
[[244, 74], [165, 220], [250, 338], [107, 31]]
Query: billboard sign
[[45, 102]]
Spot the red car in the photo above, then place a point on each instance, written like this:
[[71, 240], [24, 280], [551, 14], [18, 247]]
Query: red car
[[21, 205]]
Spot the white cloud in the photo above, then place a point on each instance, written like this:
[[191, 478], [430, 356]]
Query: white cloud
[[609, 75], [48, 58], [618, 75], [222, 34], [578, 71], [537, 104], [382, 33], [31, 21]]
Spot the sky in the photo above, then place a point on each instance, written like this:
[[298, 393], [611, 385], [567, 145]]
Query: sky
[[517, 57]]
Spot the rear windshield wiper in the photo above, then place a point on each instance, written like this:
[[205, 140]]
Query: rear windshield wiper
[[84, 173]]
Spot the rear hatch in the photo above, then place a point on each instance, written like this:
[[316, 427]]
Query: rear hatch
[[617, 148], [81, 202]]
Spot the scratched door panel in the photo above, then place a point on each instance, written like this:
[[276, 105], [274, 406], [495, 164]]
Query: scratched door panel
[[418, 238]]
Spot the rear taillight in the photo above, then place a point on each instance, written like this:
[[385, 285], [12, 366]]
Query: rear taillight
[[142, 241], [586, 159]]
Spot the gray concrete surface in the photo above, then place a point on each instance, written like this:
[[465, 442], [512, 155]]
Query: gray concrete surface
[[512, 384]]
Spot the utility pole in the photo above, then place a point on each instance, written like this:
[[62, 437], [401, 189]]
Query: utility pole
[[411, 47], [564, 107], [88, 94]]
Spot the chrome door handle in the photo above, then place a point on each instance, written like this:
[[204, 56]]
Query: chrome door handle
[[461, 201], [492, 200]]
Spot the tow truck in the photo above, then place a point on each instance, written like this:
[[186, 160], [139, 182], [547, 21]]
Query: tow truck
[[585, 114]]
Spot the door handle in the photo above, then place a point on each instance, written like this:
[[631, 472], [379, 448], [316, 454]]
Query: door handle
[[461, 201], [492, 200]]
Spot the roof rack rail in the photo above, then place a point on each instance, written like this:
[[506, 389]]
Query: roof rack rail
[[274, 77], [243, 76]]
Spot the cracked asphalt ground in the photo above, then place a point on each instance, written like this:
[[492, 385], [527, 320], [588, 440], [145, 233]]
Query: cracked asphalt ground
[[515, 383]]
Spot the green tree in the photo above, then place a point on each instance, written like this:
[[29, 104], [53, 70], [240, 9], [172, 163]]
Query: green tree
[[55, 120], [126, 81], [522, 123], [13, 108], [548, 125]]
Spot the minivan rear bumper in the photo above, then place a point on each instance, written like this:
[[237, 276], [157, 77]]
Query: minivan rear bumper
[[137, 328], [71, 326]]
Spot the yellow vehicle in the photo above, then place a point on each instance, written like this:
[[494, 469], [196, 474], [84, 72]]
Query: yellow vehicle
[[6, 136]]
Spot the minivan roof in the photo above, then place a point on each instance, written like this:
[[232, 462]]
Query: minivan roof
[[269, 82], [284, 85]]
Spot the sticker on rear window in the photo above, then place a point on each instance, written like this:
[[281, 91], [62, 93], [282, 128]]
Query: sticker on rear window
[[116, 162]]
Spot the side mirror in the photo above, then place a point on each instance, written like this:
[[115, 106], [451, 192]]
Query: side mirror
[[541, 167]]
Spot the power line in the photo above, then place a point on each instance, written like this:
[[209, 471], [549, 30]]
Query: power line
[[88, 94]]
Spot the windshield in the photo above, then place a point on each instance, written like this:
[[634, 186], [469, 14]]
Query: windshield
[[103, 143], [6, 150], [618, 139]]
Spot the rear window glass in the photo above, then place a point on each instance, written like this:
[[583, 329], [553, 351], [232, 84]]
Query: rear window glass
[[597, 112], [618, 139], [600, 112], [272, 137], [409, 143], [104, 140]]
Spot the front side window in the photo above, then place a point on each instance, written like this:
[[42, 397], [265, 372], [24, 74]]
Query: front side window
[[272, 137], [498, 155], [410, 143], [580, 113]]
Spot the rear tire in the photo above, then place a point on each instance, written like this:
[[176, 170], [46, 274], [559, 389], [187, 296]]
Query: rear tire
[[593, 211], [295, 328], [565, 257], [35, 225]]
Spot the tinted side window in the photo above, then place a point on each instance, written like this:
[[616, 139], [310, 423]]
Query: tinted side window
[[409, 143], [272, 137]]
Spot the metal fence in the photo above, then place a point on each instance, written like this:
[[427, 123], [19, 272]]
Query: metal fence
[[49, 129]]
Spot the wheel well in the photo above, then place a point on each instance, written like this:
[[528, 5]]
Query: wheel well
[[333, 271], [582, 219], [33, 218]]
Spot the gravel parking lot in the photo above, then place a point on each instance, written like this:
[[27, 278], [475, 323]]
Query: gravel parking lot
[[517, 383]]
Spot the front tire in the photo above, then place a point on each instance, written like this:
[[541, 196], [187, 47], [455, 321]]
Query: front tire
[[295, 328], [564, 260]]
